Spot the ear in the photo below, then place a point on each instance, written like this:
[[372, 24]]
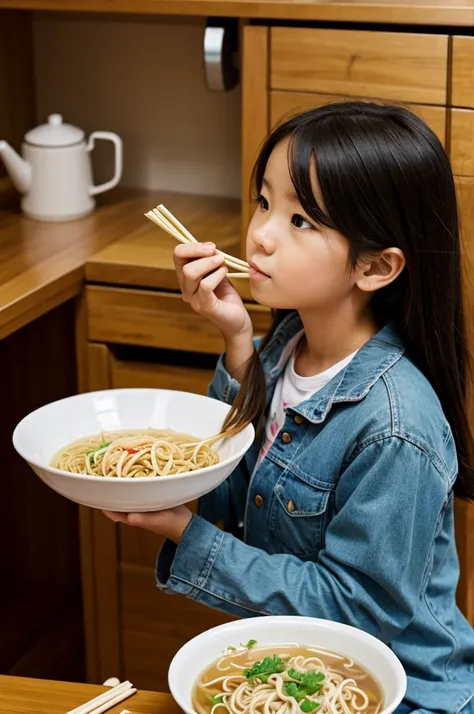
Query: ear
[[378, 271]]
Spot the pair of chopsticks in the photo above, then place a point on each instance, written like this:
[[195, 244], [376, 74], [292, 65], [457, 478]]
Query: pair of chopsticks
[[107, 700], [165, 219]]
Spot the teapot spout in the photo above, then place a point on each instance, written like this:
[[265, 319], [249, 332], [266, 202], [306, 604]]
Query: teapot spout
[[18, 169]]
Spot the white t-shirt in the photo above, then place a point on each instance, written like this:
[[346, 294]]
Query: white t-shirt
[[292, 389]]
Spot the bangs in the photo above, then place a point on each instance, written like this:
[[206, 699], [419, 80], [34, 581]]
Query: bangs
[[304, 174]]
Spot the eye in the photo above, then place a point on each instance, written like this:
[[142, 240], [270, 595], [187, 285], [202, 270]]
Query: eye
[[262, 202], [300, 222]]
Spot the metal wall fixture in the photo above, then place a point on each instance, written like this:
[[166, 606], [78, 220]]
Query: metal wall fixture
[[221, 48]]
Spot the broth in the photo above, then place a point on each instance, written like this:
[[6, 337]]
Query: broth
[[286, 679]]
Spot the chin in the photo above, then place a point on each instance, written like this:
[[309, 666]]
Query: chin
[[268, 298]]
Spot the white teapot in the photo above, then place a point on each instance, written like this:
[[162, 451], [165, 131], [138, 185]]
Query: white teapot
[[55, 173]]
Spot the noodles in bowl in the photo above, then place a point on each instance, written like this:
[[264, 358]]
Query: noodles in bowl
[[137, 454], [69, 445], [285, 679]]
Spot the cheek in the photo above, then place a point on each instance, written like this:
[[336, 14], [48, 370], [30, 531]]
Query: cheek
[[323, 272]]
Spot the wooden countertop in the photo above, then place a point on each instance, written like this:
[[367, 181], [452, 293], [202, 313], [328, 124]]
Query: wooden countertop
[[19, 695], [42, 264], [144, 256], [419, 12]]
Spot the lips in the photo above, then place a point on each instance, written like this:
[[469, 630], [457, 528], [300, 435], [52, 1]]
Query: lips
[[257, 269]]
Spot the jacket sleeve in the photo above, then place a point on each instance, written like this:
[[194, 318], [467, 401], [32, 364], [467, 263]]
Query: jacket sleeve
[[371, 572]]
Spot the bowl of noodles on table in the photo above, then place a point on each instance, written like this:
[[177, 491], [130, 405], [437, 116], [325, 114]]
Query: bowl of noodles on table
[[286, 665], [131, 449]]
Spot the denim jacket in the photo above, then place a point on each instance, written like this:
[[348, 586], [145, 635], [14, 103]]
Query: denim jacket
[[349, 517]]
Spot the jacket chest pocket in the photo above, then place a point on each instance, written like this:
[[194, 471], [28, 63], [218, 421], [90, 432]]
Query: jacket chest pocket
[[299, 514]]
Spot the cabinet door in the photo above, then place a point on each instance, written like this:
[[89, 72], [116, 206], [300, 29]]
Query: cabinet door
[[462, 94], [287, 103]]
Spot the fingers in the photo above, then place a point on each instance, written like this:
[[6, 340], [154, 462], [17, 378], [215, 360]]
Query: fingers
[[116, 517], [209, 284], [184, 252], [194, 273]]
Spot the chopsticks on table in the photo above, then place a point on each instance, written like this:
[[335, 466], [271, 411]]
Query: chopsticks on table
[[165, 219], [107, 700]]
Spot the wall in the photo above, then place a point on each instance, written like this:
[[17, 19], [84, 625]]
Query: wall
[[142, 78]]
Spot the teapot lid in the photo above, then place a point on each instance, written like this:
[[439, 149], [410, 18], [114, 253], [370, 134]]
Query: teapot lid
[[54, 133]]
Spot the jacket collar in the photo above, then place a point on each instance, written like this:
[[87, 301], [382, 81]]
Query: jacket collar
[[352, 384]]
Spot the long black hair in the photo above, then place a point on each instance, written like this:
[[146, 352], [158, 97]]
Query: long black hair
[[385, 181]]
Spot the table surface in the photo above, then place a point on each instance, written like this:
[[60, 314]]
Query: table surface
[[19, 695]]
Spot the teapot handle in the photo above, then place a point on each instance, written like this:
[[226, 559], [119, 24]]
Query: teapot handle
[[94, 190]]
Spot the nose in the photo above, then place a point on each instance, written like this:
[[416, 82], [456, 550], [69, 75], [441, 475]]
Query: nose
[[263, 237]]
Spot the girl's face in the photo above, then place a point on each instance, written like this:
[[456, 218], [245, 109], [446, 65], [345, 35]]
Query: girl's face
[[295, 264]]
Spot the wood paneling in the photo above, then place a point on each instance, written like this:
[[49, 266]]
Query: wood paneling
[[255, 119], [462, 93], [17, 96], [156, 625], [288, 103], [462, 142], [155, 319], [386, 65]]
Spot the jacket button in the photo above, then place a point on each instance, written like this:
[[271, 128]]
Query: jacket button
[[285, 437], [291, 506], [299, 419], [258, 501]]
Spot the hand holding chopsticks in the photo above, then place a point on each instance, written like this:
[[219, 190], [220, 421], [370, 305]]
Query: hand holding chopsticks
[[107, 700], [165, 219]]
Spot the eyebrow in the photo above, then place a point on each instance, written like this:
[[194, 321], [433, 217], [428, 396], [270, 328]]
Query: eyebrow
[[290, 195]]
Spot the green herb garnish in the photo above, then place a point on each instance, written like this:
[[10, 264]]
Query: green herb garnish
[[305, 685], [249, 645], [261, 671], [216, 700], [231, 649], [102, 446], [294, 674], [308, 706]]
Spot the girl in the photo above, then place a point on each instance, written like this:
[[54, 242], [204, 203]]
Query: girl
[[344, 508]]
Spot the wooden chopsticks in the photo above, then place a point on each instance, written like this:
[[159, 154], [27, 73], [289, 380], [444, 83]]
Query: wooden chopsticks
[[107, 700], [165, 219]]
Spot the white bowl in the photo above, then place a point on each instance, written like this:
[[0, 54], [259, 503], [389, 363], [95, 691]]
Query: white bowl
[[44, 432], [193, 658]]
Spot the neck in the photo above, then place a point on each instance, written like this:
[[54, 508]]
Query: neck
[[330, 337]]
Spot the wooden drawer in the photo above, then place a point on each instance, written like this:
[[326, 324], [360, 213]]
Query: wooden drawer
[[287, 103], [462, 94], [462, 142], [387, 65], [159, 376], [156, 319]]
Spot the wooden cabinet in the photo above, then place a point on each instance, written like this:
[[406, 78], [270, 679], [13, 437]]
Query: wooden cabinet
[[155, 319], [386, 65], [463, 72]]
